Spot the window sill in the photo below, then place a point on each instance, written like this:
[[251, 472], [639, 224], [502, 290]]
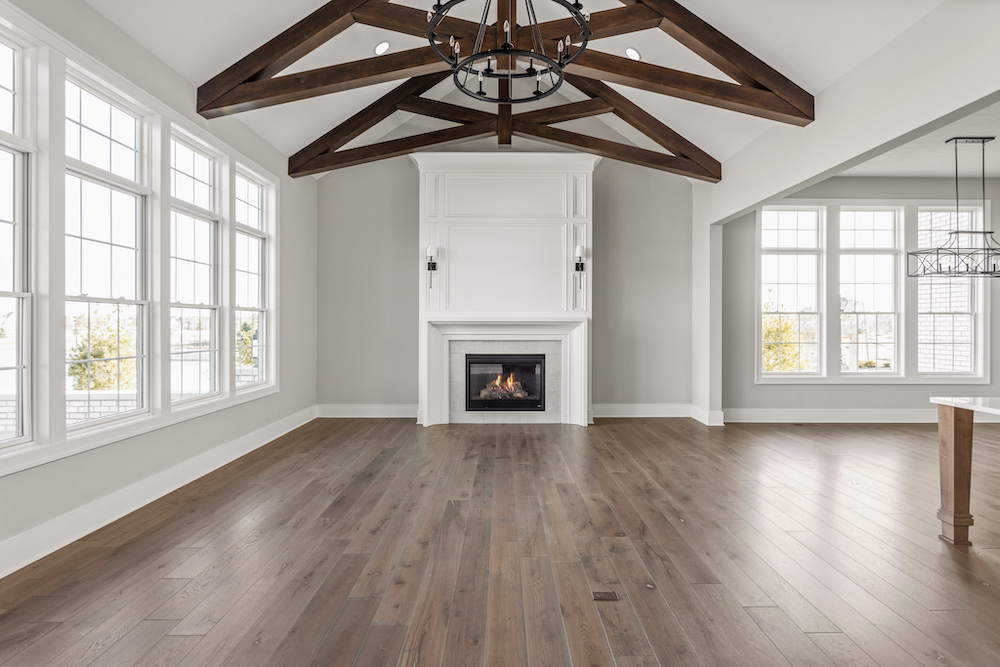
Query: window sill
[[17, 458], [875, 379]]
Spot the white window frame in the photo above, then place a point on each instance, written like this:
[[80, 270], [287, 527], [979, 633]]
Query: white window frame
[[907, 323], [22, 293], [898, 251], [140, 189], [218, 159], [821, 310], [266, 234], [980, 301], [46, 62]]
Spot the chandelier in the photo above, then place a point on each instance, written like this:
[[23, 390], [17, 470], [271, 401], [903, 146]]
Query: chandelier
[[968, 252], [513, 70]]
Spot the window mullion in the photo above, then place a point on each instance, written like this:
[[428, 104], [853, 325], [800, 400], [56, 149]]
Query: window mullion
[[830, 274], [160, 230]]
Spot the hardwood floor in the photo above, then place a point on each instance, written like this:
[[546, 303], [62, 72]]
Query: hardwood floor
[[379, 542]]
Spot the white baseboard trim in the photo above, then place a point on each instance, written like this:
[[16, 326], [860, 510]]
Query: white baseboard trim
[[642, 410], [708, 417], [841, 416], [35, 543], [371, 410]]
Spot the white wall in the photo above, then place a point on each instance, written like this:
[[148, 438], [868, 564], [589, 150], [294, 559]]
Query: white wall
[[367, 327], [741, 396], [43, 494]]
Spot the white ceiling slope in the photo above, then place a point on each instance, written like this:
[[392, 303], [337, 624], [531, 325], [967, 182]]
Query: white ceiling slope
[[812, 42]]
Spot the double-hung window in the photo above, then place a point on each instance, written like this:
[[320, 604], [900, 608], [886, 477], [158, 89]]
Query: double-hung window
[[194, 302], [106, 290], [15, 298], [252, 239], [947, 307], [870, 257], [790, 264]]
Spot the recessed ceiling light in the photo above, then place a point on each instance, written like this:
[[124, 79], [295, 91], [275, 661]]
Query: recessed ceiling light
[[633, 54], [381, 48]]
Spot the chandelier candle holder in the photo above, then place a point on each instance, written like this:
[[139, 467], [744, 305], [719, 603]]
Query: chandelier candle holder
[[508, 72], [968, 252]]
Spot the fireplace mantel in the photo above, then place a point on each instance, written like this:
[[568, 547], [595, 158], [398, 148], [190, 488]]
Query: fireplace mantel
[[505, 228]]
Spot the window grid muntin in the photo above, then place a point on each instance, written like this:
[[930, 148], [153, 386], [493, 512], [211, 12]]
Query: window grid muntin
[[138, 358], [205, 353], [97, 407], [790, 322], [9, 83], [255, 351], [123, 146], [15, 305], [202, 353], [136, 247], [193, 183], [869, 290], [250, 198], [251, 346], [948, 335]]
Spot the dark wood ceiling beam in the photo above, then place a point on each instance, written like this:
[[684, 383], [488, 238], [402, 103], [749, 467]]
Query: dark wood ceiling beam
[[614, 150], [444, 110], [646, 123], [728, 56], [409, 21], [608, 23], [683, 85], [365, 119], [333, 79], [285, 49], [394, 148], [566, 112]]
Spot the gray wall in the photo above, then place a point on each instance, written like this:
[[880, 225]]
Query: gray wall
[[739, 314], [367, 327], [45, 492]]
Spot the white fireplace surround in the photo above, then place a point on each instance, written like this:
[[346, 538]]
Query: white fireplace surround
[[570, 333], [505, 228]]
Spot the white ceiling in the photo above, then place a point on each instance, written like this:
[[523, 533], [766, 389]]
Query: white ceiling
[[812, 42], [931, 156]]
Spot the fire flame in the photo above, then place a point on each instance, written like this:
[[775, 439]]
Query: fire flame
[[506, 385]]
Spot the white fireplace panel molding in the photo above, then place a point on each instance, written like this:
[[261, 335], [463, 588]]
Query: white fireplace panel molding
[[499, 236]]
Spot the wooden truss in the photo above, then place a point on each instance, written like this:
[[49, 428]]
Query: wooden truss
[[758, 90]]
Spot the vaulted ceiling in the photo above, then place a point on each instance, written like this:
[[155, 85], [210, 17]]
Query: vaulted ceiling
[[807, 46]]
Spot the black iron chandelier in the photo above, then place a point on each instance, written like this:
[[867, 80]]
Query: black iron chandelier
[[508, 72], [968, 252]]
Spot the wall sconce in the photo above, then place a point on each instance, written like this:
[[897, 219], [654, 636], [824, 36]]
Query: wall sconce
[[431, 254], [579, 258]]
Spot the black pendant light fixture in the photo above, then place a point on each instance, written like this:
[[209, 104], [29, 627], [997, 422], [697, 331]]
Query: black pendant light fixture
[[509, 74], [967, 252]]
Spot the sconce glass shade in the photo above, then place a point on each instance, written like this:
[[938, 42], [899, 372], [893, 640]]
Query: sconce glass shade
[[431, 252], [579, 253]]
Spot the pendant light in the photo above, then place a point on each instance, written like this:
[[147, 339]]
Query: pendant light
[[968, 252]]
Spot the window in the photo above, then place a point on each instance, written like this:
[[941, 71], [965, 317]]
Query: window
[[869, 257], [946, 306], [14, 301], [789, 291], [251, 292], [100, 133], [848, 258], [194, 311], [105, 262]]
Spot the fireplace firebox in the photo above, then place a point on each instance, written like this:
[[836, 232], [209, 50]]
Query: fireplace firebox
[[505, 382]]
